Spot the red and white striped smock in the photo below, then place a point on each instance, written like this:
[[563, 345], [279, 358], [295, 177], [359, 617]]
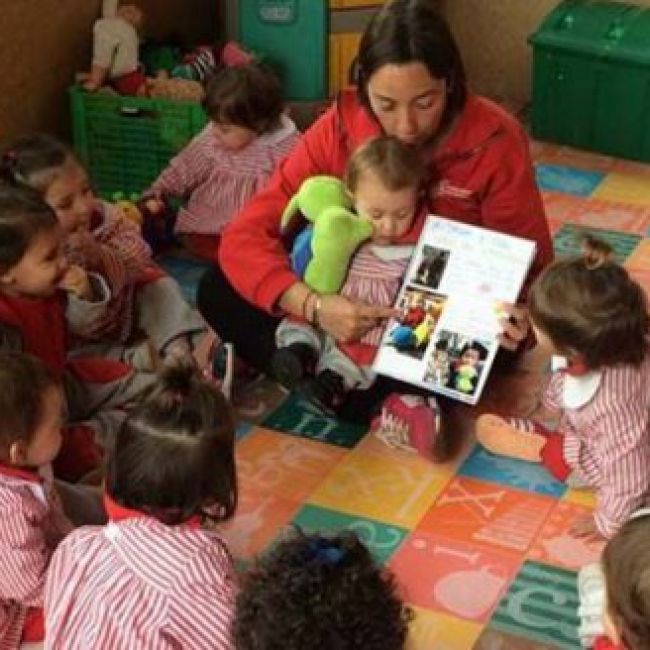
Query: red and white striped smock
[[607, 439], [32, 523], [113, 248], [375, 276], [217, 182], [139, 584]]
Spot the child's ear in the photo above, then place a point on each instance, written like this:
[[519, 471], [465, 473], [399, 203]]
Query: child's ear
[[18, 453], [7, 278]]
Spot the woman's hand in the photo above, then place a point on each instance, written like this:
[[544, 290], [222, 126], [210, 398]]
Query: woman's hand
[[515, 323], [348, 320]]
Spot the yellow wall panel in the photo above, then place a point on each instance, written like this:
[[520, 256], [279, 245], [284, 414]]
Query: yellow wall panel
[[343, 49]]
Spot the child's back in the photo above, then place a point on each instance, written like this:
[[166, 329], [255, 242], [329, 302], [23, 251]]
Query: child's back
[[139, 583], [153, 577]]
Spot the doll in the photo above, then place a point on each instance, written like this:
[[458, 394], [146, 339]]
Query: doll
[[115, 50]]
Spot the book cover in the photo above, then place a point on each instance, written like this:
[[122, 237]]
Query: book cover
[[445, 338]]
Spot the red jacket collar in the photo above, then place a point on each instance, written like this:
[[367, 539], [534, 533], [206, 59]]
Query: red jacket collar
[[117, 512], [30, 475], [576, 368]]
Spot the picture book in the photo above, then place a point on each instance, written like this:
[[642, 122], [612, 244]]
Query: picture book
[[445, 338]]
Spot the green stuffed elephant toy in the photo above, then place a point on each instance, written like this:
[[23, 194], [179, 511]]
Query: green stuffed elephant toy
[[335, 235]]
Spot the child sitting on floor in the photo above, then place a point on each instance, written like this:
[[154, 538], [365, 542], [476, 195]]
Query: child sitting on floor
[[42, 300], [591, 312], [32, 519], [313, 591], [232, 158], [99, 239], [158, 575], [618, 591]]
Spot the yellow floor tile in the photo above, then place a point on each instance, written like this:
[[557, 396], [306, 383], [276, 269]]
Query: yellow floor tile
[[627, 189], [431, 630], [378, 488]]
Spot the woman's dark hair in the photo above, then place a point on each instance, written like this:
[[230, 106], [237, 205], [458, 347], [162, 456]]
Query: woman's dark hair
[[23, 215], [396, 165], [590, 305], [312, 591], [245, 95], [626, 563], [173, 457], [23, 382], [34, 160], [410, 31]]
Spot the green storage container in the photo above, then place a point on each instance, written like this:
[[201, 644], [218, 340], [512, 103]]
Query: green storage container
[[292, 37], [591, 77], [125, 142]]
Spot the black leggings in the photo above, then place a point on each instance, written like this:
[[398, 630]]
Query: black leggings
[[252, 331]]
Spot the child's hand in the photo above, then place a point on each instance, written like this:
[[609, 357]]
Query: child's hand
[[76, 282], [82, 246], [155, 205], [585, 528]]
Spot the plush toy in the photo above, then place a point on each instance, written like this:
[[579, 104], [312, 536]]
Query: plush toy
[[184, 90], [200, 63], [336, 232], [115, 50]]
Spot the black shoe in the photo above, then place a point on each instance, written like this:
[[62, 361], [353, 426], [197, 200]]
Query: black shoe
[[326, 391], [292, 364]]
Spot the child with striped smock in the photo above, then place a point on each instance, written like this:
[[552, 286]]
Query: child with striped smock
[[157, 575], [590, 312], [35, 511], [98, 238], [232, 158], [383, 176]]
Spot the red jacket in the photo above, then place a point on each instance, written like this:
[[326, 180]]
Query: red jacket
[[480, 174]]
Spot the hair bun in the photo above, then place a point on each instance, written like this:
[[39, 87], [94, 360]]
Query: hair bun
[[177, 380], [595, 252]]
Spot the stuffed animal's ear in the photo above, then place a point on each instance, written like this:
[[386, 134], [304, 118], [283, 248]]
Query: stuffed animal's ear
[[290, 214]]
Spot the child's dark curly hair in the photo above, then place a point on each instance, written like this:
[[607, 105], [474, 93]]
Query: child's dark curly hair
[[312, 591]]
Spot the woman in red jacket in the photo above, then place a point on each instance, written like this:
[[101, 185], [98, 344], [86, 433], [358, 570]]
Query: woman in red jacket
[[411, 84]]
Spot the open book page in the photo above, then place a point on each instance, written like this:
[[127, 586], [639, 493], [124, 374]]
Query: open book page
[[445, 337]]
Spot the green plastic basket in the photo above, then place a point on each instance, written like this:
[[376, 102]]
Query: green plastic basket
[[125, 142]]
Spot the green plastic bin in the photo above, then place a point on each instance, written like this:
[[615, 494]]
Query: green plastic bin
[[292, 37], [591, 77], [125, 142]]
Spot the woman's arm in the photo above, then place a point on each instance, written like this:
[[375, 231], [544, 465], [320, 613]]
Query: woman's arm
[[252, 253]]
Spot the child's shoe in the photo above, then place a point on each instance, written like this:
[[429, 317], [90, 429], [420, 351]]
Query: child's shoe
[[409, 422], [326, 391], [500, 436], [293, 363]]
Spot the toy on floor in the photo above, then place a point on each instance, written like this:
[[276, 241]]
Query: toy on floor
[[115, 50]]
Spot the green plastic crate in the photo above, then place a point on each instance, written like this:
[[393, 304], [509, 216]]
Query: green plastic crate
[[292, 36], [125, 142], [591, 74]]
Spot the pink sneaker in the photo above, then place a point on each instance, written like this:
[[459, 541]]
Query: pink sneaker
[[408, 422]]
